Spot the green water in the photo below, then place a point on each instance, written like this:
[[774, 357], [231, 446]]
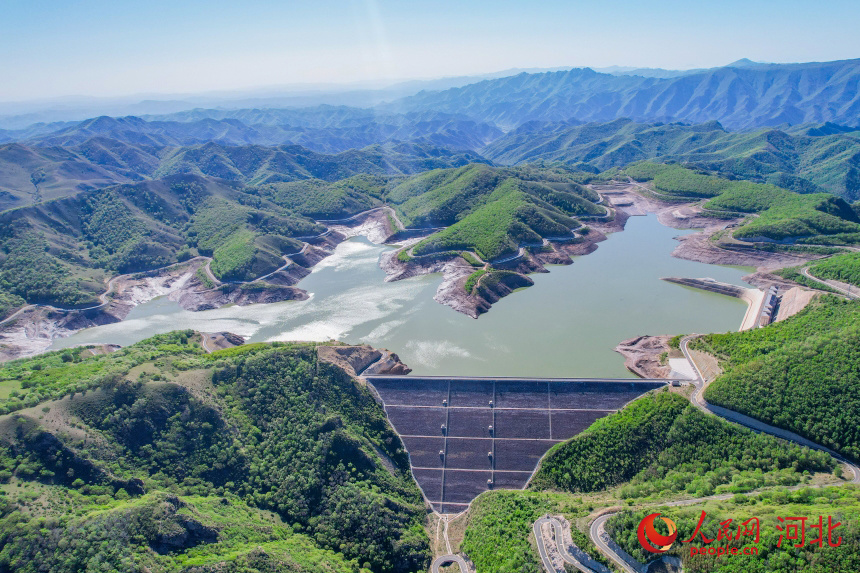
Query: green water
[[566, 325]]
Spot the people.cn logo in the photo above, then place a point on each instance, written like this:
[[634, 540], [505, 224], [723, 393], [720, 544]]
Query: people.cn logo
[[653, 541]]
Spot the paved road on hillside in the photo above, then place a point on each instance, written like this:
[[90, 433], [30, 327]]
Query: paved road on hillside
[[598, 525], [103, 298], [847, 292], [448, 559], [559, 542], [596, 533]]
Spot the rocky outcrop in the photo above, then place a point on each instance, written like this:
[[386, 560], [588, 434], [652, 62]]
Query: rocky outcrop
[[362, 359], [455, 271], [375, 225], [389, 363], [494, 286], [699, 247], [177, 531]]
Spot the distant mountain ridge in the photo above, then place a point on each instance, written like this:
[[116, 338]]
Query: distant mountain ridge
[[742, 95], [325, 129]]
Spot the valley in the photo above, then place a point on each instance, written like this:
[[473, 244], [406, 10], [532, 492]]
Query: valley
[[483, 324]]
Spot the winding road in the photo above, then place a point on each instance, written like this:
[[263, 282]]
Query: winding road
[[597, 529], [597, 532], [558, 532], [835, 285], [447, 560], [699, 401]]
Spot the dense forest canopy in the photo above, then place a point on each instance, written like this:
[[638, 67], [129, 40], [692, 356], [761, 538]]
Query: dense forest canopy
[[166, 458], [801, 374]]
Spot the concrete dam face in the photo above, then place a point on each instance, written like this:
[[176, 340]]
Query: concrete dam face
[[467, 435]]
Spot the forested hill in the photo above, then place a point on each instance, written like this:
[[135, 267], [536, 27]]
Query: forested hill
[[771, 213], [62, 251], [162, 458], [801, 374], [736, 96], [32, 174], [661, 444], [805, 159]]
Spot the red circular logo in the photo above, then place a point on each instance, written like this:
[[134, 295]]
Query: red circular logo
[[653, 541]]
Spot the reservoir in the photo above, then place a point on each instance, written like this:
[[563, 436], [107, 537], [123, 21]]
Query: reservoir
[[566, 325]]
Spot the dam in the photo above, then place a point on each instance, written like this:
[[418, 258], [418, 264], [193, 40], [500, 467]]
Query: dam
[[466, 435]]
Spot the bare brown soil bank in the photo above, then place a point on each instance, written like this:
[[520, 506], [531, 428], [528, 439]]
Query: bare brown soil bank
[[699, 247], [212, 341], [363, 359], [456, 270], [34, 329], [242, 295], [635, 199], [642, 355]]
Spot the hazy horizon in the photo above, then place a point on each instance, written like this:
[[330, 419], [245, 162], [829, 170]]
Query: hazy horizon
[[111, 50]]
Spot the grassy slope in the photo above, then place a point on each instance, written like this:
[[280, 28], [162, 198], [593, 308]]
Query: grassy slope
[[656, 448], [491, 211], [802, 374], [61, 251], [497, 535], [321, 200], [265, 427]]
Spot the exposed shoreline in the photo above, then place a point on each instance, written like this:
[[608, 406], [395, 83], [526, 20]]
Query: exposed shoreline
[[33, 329]]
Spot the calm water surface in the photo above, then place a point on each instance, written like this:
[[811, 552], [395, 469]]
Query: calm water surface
[[564, 326]]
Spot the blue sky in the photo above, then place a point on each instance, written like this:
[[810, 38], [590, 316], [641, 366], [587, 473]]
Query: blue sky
[[51, 48]]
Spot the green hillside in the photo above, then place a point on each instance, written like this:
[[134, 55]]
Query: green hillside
[[657, 448], [492, 210], [777, 214], [660, 444], [31, 174], [845, 268], [161, 457], [804, 159], [322, 200], [801, 374], [61, 251]]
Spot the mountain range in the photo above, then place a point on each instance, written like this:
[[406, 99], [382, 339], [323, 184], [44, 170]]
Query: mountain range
[[778, 123], [30, 174], [805, 158], [738, 96]]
